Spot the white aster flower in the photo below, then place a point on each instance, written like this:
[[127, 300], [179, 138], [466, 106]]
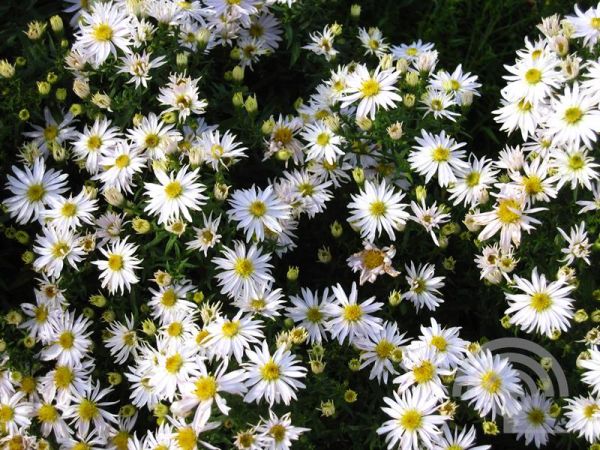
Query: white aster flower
[[118, 269]]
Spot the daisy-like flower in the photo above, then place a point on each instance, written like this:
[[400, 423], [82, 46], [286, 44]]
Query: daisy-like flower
[[139, 67], [175, 195], [61, 383], [371, 91], [509, 216], [465, 440], [39, 316], [154, 138], [258, 211], [424, 369], [311, 313], [277, 433], [171, 368], [586, 24], [373, 41], [575, 118], [109, 227], [423, 286], [283, 139], [437, 154], [273, 377], [93, 142], [53, 133], [304, 191], [429, 217], [123, 340], [574, 166], [102, 30], [378, 207], [492, 385], [380, 349], [437, 103], [181, 96], [411, 51], [118, 269], [457, 83], [69, 213], [591, 376], [207, 236], [578, 244], [350, 318], [414, 423], [220, 151], [473, 182], [583, 417], [16, 413], [69, 340], [520, 114], [372, 262], [322, 43], [444, 341], [591, 205], [88, 410], [264, 301], [535, 182], [201, 391], [544, 307], [532, 79], [32, 188], [323, 143], [534, 422], [242, 269], [55, 247], [51, 420], [118, 166], [228, 337]]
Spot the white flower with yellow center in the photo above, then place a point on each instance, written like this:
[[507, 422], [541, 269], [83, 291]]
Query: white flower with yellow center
[[520, 114], [376, 208], [38, 324], [465, 440], [61, 383], [123, 340], [181, 96], [473, 182], [411, 51], [543, 307], [380, 349], [278, 432], [207, 236], [242, 269], [170, 301], [575, 166], [311, 313], [154, 138], [117, 271], [68, 213], [258, 212], [350, 318], [444, 341], [424, 369], [586, 24], [175, 195], [272, 377], [52, 133], [323, 143], [534, 422], [532, 80], [54, 248], [204, 389], [139, 66], [372, 262], [583, 417], [437, 154], [118, 165], [490, 383], [227, 337], [578, 244], [103, 30], [88, 410], [429, 217], [32, 188], [535, 182], [93, 142], [220, 151], [372, 91], [51, 420], [424, 286], [69, 341], [414, 420], [173, 368], [15, 413]]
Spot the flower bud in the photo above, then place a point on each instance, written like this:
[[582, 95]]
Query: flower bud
[[364, 123], [358, 174], [395, 131], [292, 273], [221, 191], [114, 378], [336, 229], [181, 59], [7, 70], [354, 364], [98, 300], [327, 408], [27, 257], [102, 101], [113, 196], [56, 23], [61, 94], [238, 100], [141, 226], [267, 126], [324, 255], [355, 11], [580, 316], [81, 87], [251, 104], [43, 87], [24, 115], [350, 396], [395, 298], [22, 237], [237, 74], [409, 100], [76, 109]]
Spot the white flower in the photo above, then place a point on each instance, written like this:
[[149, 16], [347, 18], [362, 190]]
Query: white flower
[[153, 137], [535, 182], [533, 421], [532, 80], [322, 43], [228, 337], [586, 24], [414, 422], [492, 385], [277, 433], [69, 213], [429, 217], [372, 91], [444, 341], [139, 66], [311, 313], [437, 154], [87, 410], [323, 143], [379, 349], [583, 417], [458, 441], [123, 340], [207, 236], [118, 166], [591, 376], [258, 212], [350, 318], [32, 188], [16, 413], [372, 262], [377, 207], [69, 341], [55, 247], [424, 369], [575, 166], [591, 205], [473, 182], [175, 195], [181, 95], [578, 244], [519, 114], [220, 151], [93, 142], [423, 286], [118, 269], [273, 377]]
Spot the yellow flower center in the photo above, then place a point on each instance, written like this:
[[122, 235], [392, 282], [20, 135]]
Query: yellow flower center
[[246, 439], [258, 304], [152, 140], [50, 133], [590, 410], [206, 388], [186, 438], [576, 161], [217, 151], [277, 431], [352, 313], [6, 414], [173, 189], [532, 185], [102, 32], [243, 267], [440, 154], [60, 249], [533, 76], [524, 106], [506, 211], [230, 328], [122, 161], [282, 135], [28, 384], [115, 262], [411, 419], [536, 416], [440, 343], [436, 104], [472, 179], [418, 286], [63, 377], [314, 315], [378, 208], [175, 329], [69, 209], [94, 142], [595, 23], [491, 382], [423, 373], [411, 51], [174, 363], [130, 338], [384, 348], [41, 314], [369, 88], [573, 115], [168, 298], [540, 301], [66, 340], [323, 139], [256, 30], [257, 208], [121, 440], [87, 410], [81, 446], [270, 371], [35, 192], [373, 259], [47, 413], [306, 189], [201, 336]]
